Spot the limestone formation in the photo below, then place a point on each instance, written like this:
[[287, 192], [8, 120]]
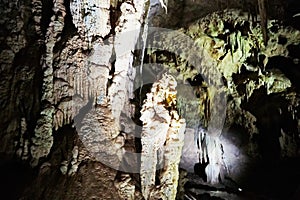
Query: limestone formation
[[126, 188], [162, 140], [95, 71], [69, 84], [233, 51], [231, 45], [43, 139]]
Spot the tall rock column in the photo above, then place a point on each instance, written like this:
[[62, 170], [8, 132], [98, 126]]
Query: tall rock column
[[162, 140], [43, 139]]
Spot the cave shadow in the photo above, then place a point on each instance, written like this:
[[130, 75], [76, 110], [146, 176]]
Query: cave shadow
[[272, 175], [15, 176]]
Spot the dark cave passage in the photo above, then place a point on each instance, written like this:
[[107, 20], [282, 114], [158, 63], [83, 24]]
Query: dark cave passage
[[15, 175]]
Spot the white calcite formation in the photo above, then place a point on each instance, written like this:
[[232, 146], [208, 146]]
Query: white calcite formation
[[90, 64], [162, 140], [91, 18], [106, 72], [214, 154], [95, 66]]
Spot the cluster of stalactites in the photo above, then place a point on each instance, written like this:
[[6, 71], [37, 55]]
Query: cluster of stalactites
[[210, 151], [162, 140]]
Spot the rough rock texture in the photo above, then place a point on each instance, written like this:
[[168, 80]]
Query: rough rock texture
[[66, 63], [84, 78], [162, 141], [182, 13], [125, 186], [93, 180], [20, 73], [43, 140], [57, 59], [260, 83], [241, 52]]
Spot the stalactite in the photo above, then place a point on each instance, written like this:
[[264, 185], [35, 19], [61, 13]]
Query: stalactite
[[144, 43], [92, 67], [263, 19], [22, 150], [210, 151], [163, 131], [164, 4], [244, 42], [37, 10], [85, 77], [214, 152]]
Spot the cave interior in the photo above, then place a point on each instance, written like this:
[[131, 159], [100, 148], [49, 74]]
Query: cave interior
[[153, 99]]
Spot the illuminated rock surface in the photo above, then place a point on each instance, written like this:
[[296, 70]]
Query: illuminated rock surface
[[69, 98], [162, 141]]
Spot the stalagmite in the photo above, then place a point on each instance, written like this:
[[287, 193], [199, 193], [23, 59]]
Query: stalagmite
[[162, 140], [127, 33]]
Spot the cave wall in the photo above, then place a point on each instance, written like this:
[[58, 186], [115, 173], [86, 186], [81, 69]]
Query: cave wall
[[58, 57], [21, 47], [261, 123], [257, 93]]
